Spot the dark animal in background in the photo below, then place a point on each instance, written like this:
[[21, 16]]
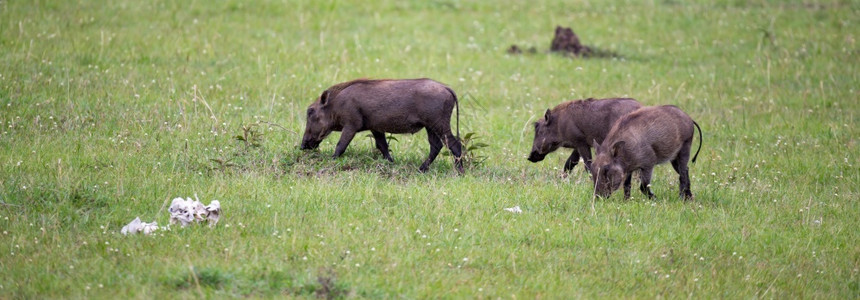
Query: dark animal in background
[[641, 140], [385, 106], [578, 124]]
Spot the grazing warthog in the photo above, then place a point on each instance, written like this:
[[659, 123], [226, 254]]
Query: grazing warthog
[[578, 124], [393, 106], [639, 141]]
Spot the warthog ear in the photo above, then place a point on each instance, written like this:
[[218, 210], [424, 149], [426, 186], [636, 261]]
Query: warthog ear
[[324, 98], [548, 116], [616, 148]]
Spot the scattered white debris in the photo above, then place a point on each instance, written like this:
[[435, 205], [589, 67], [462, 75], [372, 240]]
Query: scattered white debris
[[138, 226], [182, 211], [515, 209], [214, 209], [187, 211]]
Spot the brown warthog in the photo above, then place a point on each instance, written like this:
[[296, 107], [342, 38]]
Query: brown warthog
[[578, 124], [641, 140], [393, 106]]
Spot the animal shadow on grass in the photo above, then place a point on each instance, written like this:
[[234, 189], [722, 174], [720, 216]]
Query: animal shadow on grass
[[250, 155], [370, 161], [328, 287], [664, 189]]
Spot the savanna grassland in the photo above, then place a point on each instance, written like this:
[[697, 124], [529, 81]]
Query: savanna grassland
[[109, 109]]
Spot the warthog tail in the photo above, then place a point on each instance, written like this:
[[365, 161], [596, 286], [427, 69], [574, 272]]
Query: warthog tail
[[700, 141], [457, 103]]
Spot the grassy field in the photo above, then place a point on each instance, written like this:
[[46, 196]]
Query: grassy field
[[111, 108]]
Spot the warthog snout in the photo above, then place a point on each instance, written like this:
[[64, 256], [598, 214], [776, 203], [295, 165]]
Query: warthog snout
[[309, 145], [536, 157]]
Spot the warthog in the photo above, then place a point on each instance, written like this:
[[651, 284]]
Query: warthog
[[392, 106], [639, 141], [578, 124]]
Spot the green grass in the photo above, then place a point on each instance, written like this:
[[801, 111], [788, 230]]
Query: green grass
[[110, 108]]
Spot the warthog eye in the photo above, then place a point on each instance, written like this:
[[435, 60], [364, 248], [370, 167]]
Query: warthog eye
[[605, 169]]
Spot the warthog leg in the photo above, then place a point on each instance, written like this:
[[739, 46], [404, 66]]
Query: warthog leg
[[571, 161], [435, 147], [382, 144], [627, 181], [645, 181], [345, 137]]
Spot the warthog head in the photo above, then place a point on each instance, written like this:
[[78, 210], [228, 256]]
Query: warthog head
[[608, 174], [546, 138], [320, 122]]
